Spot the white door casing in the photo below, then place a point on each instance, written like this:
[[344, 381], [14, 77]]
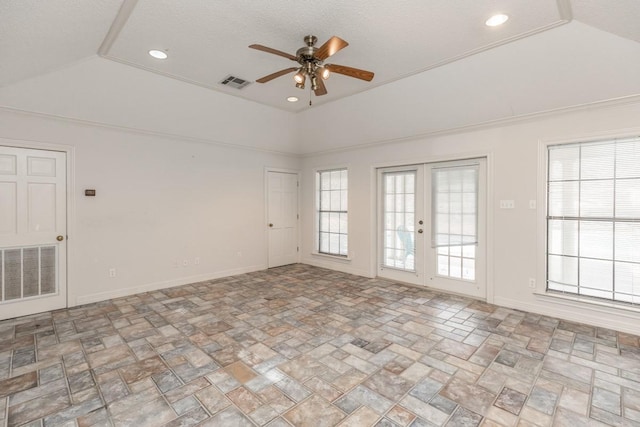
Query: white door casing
[[282, 218], [33, 231], [406, 251]]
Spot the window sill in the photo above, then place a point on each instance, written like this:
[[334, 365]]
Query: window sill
[[579, 300], [346, 259]]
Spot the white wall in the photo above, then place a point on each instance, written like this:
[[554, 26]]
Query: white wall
[[159, 201], [513, 150]]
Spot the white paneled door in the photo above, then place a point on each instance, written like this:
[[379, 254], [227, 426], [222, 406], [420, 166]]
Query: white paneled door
[[282, 218], [432, 225], [33, 231]]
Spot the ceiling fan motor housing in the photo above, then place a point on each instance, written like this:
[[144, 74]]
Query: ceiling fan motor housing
[[306, 53]]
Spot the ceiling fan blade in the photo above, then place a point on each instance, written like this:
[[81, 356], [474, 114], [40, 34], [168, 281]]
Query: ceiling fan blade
[[276, 75], [274, 51], [330, 47], [350, 71], [321, 89]]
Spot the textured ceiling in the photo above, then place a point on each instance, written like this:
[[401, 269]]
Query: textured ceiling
[[208, 39], [38, 36]]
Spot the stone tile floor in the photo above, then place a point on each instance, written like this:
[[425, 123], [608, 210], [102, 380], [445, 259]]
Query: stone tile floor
[[303, 346]]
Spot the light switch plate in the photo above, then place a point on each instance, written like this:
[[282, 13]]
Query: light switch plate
[[507, 204]]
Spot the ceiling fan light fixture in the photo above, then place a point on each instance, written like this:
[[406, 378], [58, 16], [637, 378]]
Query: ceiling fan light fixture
[[299, 77], [300, 85], [497, 20], [324, 73], [158, 54], [314, 83]]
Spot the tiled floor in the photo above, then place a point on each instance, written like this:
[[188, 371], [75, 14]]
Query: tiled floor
[[304, 346]]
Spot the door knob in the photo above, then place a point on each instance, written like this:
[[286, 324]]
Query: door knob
[[420, 230], [421, 222], [60, 238], [270, 225]]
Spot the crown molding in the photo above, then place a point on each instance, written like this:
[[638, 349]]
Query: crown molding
[[166, 135]]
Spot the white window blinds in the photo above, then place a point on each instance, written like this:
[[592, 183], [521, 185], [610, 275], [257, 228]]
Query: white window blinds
[[332, 228], [593, 219], [454, 206]]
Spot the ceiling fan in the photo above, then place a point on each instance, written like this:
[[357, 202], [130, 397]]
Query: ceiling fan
[[311, 64]]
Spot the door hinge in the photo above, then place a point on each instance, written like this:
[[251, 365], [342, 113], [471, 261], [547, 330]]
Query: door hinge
[[297, 183], [297, 248], [297, 216]]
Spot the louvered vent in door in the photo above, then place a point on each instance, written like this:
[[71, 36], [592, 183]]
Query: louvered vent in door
[[27, 272]]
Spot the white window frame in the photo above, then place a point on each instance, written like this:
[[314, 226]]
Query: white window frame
[[568, 300], [317, 223]]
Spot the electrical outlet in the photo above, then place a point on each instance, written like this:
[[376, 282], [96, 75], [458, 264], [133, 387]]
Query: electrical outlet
[[532, 283], [112, 272], [239, 253], [185, 262], [196, 261], [532, 204]]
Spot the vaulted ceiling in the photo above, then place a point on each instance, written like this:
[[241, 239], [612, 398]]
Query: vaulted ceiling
[[411, 45]]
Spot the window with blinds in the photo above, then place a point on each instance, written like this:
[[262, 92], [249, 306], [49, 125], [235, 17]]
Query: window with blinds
[[593, 219], [455, 219], [332, 191]]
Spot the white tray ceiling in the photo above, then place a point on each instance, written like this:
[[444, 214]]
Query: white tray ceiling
[[207, 40]]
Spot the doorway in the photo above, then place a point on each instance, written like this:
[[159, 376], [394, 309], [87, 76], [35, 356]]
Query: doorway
[[33, 231], [432, 225]]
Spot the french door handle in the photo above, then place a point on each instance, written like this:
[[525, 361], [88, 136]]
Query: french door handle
[[60, 238], [420, 230]]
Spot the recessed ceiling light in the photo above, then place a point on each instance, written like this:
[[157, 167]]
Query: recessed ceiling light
[[496, 20], [158, 54], [292, 99]]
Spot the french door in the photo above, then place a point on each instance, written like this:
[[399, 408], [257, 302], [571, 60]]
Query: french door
[[32, 231], [431, 225]]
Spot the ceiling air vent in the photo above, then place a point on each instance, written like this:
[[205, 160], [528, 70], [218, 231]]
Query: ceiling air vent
[[235, 82]]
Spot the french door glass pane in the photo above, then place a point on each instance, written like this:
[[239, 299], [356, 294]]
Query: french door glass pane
[[399, 190], [454, 205], [454, 214]]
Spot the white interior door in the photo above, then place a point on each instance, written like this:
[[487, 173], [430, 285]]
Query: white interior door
[[32, 231], [282, 218], [432, 225]]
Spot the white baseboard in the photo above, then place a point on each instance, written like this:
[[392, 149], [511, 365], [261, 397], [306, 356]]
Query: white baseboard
[[581, 312], [118, 293], [343, 268]]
